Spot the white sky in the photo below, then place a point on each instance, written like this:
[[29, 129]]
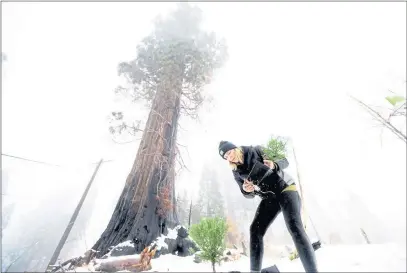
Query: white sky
[[290, 68]]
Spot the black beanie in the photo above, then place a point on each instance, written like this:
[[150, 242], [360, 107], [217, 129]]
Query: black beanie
[[224, 147]]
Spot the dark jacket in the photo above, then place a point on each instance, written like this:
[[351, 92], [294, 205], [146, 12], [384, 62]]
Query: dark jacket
[[250, 156]]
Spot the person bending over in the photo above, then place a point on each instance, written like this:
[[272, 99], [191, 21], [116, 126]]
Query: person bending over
[[278, 193]]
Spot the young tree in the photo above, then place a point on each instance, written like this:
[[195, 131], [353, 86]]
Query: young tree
[[210, 235], [276, 148], [172, 66]]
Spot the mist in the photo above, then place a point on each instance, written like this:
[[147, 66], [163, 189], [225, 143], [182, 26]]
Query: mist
[[290, 71]]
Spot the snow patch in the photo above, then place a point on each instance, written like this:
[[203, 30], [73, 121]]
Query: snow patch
[[173, 233], [107, 255], [125, 243], [342, 258], [160, 242]]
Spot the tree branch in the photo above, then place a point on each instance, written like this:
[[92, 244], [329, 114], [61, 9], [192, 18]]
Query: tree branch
[[126, 142], [382, 120], [61, 266], [396, 111], [181, 160]]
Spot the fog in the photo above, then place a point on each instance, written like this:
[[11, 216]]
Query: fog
[[290, 70]]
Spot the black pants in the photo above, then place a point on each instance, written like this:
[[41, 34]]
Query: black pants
[[289, 203]]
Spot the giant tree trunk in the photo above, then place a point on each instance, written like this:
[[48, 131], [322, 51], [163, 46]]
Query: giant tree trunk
[[146, 207]]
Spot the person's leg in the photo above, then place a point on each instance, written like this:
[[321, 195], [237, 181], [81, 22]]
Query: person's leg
[[291, 206], [267, 211]]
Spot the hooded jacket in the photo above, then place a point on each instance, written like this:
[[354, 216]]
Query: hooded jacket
[[250, 156]]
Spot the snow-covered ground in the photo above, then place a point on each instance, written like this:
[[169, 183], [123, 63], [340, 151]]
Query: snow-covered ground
[[344, 258]]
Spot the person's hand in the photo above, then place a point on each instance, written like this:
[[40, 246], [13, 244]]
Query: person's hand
[[248, 186], [269, 164]]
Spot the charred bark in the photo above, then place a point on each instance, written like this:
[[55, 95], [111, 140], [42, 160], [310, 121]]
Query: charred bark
[[141, 214]]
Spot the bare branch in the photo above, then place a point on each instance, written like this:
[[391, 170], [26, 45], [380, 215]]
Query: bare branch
[[181, 145], [396, 111], [75, 261], [118, 129], [126, 142], [181, 160], [382, 120], [180, 127]]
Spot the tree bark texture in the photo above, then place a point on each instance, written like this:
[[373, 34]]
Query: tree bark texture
[[141, 213]]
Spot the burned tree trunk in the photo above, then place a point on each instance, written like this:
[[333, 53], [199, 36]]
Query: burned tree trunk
[[146, 206]]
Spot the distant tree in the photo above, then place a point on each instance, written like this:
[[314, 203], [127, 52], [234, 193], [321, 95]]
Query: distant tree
[[183, 204], [233, 235], [196, 211], [210, 201]]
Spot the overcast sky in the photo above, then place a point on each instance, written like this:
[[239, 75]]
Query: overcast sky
[[290, 69]]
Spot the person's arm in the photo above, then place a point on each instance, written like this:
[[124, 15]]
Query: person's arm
[[240, 182], [260, 151], [281, 164]]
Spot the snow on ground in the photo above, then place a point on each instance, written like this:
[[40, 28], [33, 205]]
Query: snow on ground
[[344, 258], [135, 257], [172, 234]]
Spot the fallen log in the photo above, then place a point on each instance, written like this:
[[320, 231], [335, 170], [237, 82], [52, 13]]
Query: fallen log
[[74, 261], [135, 263]]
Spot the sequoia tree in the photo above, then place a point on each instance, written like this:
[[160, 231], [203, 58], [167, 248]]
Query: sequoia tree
[[171, 67]]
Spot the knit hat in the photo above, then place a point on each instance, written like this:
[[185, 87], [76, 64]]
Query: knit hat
[[224, 147]]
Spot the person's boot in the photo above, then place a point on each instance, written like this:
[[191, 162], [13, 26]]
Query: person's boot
[[316, 245], [271, 269]]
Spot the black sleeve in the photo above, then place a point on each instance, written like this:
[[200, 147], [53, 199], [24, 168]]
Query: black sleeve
[[260, 151], [239, 182]]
